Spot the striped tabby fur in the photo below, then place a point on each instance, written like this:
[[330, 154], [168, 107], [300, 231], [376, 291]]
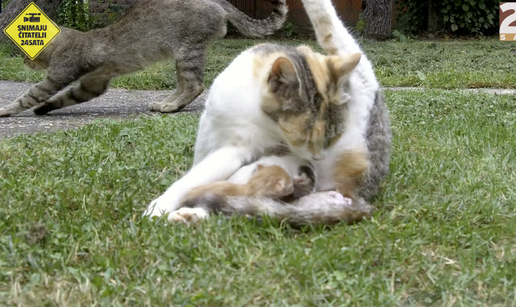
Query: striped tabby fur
[[151, 30]]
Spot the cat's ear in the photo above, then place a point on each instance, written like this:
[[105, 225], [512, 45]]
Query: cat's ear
[[283, 72], [341, 65]]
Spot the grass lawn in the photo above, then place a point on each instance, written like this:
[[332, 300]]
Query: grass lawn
[[448, 65], [444, 234]]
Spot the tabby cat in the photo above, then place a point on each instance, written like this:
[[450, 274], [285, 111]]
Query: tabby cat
[[327, 109], [150, 31]]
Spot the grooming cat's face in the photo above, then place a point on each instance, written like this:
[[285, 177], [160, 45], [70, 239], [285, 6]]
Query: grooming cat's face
[[308, 101]]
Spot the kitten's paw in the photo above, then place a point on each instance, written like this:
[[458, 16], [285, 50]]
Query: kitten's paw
[[188, 215]]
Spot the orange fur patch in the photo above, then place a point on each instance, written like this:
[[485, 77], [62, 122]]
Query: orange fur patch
[[350, 168], [294, 127]]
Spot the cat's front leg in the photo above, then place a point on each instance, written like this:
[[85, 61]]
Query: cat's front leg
[[90, 86], [58, 77], [36, 95], [219, 165]]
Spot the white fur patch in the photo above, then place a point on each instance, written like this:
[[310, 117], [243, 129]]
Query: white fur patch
[[343, 201]]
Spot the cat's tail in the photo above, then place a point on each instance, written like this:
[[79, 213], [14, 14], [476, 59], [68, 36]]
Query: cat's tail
[[255, 27], [325, 208], [330, 31]]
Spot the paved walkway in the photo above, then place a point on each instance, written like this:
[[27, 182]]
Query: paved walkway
[[115, 104]]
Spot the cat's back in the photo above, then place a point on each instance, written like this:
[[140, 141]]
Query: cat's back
[[236, 89], [140, 7], [181, 17]]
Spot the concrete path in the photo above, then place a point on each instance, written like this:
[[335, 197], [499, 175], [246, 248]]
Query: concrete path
[[115, 104]]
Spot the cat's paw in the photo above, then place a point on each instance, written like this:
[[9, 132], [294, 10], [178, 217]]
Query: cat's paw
[[330, 197], [164, 107], [155, 106], [44, 109], [188, 215], [4, 112], [159, 206], [343, 201], [11, 109]]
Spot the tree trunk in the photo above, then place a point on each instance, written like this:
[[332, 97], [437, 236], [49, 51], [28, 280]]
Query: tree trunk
[[435, 22], [14, 7], [377, 16]]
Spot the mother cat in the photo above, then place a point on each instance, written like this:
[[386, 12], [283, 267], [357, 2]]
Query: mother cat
[[326, 109]]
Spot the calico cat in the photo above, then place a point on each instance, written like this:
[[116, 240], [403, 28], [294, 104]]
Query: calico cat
[[150, 31], [327, 109]]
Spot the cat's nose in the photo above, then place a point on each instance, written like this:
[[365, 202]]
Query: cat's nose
[[318, 157]]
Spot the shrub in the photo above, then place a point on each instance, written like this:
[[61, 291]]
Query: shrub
[[75, 14], [458, 17]]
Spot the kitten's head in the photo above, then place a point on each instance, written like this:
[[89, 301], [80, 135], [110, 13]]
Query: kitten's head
[[307, 100], [273, 180]]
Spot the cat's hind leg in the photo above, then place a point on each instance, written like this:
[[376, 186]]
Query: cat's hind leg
[[350, 168], [190, 74], [90, 86]]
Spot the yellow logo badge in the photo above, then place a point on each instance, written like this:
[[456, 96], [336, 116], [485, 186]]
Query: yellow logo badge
[[32, 30]]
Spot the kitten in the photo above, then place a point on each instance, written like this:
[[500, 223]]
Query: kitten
[[267, 181], [150, 31], [327, 109], [270, 182]]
